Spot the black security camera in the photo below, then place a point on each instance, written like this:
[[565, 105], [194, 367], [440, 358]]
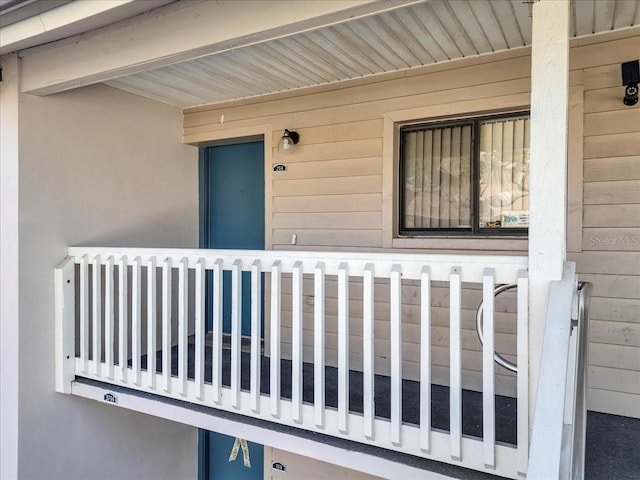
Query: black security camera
[[630, 80]]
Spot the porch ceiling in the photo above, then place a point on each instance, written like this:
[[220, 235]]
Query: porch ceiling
[[416, 35]]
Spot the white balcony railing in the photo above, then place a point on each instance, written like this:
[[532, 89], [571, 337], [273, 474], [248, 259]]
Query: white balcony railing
[[108, 298]]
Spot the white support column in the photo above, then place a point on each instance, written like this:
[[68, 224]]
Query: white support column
[[548, 168], [9, 295]]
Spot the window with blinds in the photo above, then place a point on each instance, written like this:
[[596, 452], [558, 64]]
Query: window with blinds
[[470, 176]]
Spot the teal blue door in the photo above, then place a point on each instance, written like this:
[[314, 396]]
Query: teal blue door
[[231, 217], [232, 210]]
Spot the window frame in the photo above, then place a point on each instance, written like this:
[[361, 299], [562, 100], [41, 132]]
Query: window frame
[[475, 231]]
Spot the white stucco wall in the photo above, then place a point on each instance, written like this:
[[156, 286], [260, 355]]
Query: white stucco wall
[[97, 167]]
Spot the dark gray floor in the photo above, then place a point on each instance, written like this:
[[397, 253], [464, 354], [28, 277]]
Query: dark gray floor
[[613, 442]]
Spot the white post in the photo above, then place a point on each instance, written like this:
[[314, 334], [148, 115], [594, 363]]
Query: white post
[[548, 168], [65, 298], [9, 259]]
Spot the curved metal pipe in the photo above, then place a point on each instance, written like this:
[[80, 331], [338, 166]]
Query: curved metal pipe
[[499, 359]]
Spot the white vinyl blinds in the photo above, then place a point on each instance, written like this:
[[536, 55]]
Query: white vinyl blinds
[[504, 169], [437, 177], [448, 182]]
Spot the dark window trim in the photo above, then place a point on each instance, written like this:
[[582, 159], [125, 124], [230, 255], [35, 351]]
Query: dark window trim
[[475, 231]]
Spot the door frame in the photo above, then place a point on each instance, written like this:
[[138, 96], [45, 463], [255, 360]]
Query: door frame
[[234, 136]]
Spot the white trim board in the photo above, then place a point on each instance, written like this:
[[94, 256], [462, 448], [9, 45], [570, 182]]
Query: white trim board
[[354, 460]]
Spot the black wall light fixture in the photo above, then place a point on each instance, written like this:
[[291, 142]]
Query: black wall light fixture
[[287, 141], [630, 80]]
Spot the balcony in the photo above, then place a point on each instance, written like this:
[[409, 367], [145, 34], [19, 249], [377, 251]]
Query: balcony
[[321, 352]]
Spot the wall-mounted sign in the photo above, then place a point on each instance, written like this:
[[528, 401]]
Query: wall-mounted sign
[[279, 167], [279, 466], [111, 398]]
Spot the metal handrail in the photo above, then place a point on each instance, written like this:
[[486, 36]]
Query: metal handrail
[[499, 359], [578, 414]]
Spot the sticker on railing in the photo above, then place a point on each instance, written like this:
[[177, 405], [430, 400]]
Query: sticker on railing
[[111, 398], [240, 442]]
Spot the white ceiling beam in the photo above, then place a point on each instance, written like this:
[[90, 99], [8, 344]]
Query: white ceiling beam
[[45, 24], [178, 32]]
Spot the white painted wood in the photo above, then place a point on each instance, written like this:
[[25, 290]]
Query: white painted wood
[[274, 393], [108, 316], [11, 330], [318, 344], [84, 312], [371, 463], [96, 312], [507, 266], [200, 328], [216, 347], [296, 342], [391, 434], [256, 335], [455, 364], [343, 347], [547, 167], [523, 372], [395, 293], [183, 305], [425, 360], [505, 455], [151, 321], [368, 353], [488, 378], [236, 331], [136, 305], [123, 316], [65, 290], [166, 323], [547, 433]]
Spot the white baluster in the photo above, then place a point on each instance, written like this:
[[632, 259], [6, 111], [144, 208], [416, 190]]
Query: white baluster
[[236, 331], [183, 345], [455, 363], [151, 322], [256, 335], [108, 317], [84, 313], [97, 314], [296, 343], [275, 339], [123, 315], [368, 359], [425, 359], [488, 381], [200, 327], [396, 354], [318, 344], [523, 371], [343, 348], [166, 325], [136, 301], [216, 379]]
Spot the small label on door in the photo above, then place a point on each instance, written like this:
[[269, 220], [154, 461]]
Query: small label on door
[[279, 167], [279, 466]]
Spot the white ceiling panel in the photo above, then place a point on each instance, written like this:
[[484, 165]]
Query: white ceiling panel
[[409, 37]]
